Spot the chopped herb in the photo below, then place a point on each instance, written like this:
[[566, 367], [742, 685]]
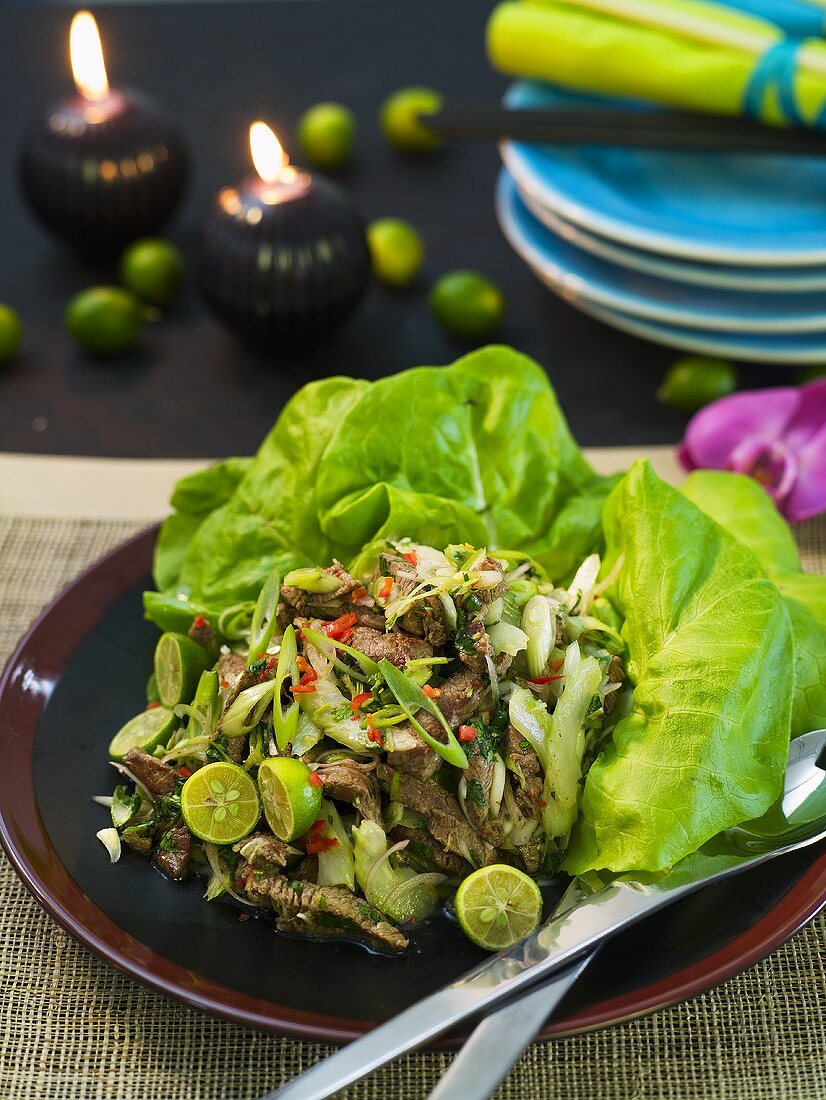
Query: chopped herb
[[488, 737], [258, 666], [297, 886], [463, 640], [371, 914], [473, 604], [476, 791], [384, 566], [168, 843]]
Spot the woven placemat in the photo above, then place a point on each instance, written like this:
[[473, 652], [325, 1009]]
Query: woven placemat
[[71, 1028]]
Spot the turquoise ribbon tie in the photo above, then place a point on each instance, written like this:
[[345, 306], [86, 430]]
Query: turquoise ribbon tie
[[776, 70]]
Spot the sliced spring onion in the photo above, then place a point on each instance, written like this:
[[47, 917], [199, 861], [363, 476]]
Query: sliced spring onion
[[246, 709], [307, 734], [321, 641], [211, 852], [580, 590], [263, 617], [234, 622], [313, 579], [497, 787], [412, 699], [336, 866], [507, 639], [285, 722], [538, 623], [102, 800], [110, 839]]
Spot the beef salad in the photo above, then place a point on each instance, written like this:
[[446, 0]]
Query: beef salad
[[386, 735], [366, 706]]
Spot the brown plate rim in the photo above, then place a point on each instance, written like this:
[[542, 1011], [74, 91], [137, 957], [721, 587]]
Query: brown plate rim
[[46, 647]]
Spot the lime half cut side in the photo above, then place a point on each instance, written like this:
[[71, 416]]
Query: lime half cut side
[[291, 801], [497, 906], [179, 663], [145, 731], [220, 804]]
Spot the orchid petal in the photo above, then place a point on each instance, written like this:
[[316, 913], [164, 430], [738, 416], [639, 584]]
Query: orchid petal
[[810, 416], [715, 431], [808, 498], [773, 465]]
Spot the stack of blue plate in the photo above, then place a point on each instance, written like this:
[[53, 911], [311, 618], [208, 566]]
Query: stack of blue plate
[[715, 253]]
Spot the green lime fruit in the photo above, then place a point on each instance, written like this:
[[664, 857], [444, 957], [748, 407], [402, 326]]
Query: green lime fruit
[[396, 251], [153, 269], [497, 906], [220, 804], [291, 801], [179, 663], [327, 135], [467, 304], [104, 320], [399, 119], [11, 332], [145, 731], [696, 380]]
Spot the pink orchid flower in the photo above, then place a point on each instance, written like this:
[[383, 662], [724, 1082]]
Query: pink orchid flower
[[778, 436]]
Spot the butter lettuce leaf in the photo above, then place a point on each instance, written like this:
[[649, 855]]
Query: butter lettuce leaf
[[710, 657], [476, 451], [740, 505]]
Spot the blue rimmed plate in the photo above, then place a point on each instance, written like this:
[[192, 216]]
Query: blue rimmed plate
[[705, 207], [587, 280], [776, 280]]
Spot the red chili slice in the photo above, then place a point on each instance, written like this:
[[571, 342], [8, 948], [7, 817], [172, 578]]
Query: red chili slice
[[468, 733], [316, 780], [342, 627], [358, 701], [411, 558], [386, 588], [544, 679], [431, 692]]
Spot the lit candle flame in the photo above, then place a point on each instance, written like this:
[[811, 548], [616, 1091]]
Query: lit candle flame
[[86, 53], [268, 156]]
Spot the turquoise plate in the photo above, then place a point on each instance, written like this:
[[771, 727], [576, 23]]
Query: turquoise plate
[[730, 209], [587, 280]]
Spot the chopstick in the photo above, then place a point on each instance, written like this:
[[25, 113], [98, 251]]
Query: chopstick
[[610, 126]]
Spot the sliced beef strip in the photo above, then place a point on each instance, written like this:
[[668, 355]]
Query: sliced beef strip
[[460, 699], [395, 647], [528, 857], [489, 595], [479, 779], [158, 778], [445, 820], [307, 870], [353, 782], [173, 852], [426, 619], [529, 779], [263, 851], [310, 909], [330, 605], [425, 854]]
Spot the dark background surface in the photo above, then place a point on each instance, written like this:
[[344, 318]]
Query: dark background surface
[[190, 389]]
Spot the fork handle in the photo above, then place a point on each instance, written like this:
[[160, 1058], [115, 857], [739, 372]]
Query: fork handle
[[500, 1039]]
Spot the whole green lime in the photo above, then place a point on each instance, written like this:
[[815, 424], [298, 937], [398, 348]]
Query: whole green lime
[[696, 380], [327, 134], [399, 119], [396, 251], [11, 332], [104, 320], [467, 304], [153, 269]]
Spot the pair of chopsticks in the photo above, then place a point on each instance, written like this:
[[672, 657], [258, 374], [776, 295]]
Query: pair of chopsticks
[[614, 126]]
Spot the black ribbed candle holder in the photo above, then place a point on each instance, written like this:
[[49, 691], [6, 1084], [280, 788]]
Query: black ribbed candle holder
[[101, 174], [283, 264]]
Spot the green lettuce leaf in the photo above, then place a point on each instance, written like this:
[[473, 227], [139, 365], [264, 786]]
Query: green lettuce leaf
[[710, 654], [740, 505], [193, 498], [476, 451]]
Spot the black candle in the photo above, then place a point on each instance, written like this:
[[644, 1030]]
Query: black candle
[[282, 256], [104, 166]]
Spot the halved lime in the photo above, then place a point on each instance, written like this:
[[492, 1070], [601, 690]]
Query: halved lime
[[145, 731], [220, 803], [291, 802], [179, 663], [497, 906]]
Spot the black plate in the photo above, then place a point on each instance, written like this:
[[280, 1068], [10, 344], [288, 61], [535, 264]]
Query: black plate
[[81, 673]]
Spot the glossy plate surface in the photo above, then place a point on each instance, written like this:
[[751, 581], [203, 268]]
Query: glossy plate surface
[[731, 209], [623, 311], [81, 671], [779, 280], [581, 277]]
